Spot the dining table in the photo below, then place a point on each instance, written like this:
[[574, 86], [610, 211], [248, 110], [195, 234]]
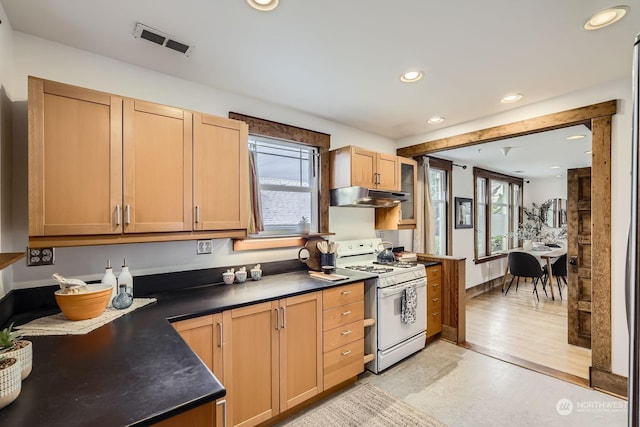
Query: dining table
[[543, 254]]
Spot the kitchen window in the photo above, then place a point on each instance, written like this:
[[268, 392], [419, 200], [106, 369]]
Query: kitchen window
[[287, 175], [276, 132], [498, 210]]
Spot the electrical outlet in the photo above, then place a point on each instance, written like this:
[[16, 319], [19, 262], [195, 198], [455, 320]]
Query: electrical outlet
[[204, 247], [40, 256]]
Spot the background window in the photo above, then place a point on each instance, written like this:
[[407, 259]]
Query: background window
[[439, 197], [287, 175], [498, 205]]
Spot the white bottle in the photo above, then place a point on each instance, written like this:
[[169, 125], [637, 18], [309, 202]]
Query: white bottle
[[125, 278], [110, 279]]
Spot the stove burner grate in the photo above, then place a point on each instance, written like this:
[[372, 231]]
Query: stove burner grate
[[370, 268]]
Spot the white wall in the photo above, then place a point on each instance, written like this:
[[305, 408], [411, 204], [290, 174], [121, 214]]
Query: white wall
[[542, 189], [620, 186], [6, 55], [41, 58]]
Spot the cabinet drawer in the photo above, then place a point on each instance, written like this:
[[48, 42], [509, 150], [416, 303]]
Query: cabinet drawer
[[342, 315], [433, 289], [342, 295], [434, 323], [337, 337], [434, 303], [343, 363], [434, 274]]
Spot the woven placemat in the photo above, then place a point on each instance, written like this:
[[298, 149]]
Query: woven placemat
[[57, 324]]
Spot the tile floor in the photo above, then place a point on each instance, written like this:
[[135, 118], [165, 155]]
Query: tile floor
[[464, 388]]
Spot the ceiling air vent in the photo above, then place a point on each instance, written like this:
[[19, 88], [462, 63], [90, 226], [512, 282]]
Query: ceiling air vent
[[163, 39]]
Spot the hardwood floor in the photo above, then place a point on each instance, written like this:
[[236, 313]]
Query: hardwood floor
[[519, 326]]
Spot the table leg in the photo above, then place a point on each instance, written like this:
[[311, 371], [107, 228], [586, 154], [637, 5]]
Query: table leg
[[550, 277], [504, 279]]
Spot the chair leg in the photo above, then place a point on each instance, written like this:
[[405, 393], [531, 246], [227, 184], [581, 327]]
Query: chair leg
[[517, 283], [509, 287], [559, 287], [544, 288], [535, 288]]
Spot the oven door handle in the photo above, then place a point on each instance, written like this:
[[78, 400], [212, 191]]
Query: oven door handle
[[396, 289]]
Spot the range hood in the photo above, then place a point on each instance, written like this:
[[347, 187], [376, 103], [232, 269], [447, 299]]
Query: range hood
[[362, 197]]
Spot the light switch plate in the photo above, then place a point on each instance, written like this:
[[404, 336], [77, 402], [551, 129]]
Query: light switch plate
[[204, 247], [40, 256]]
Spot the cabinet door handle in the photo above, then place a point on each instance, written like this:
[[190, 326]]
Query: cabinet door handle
[[127, 211], [223, 403], [346, 353], [346, 313], [435, 314], [117, 214], [435, 300], [277, 319], [345, 292], [220, 340], [346, 332], [197, 214], [435, 285], [284, 317]]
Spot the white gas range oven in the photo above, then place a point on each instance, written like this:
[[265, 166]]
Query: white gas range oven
[[395, 335]]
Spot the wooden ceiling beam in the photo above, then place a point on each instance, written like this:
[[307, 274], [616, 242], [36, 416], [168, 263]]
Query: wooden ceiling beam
[[582, 115]]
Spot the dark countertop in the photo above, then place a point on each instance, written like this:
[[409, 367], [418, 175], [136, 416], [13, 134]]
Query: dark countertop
[[429, 263], [137, 370]]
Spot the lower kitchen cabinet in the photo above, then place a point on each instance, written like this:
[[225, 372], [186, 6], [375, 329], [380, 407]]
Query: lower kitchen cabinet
[[434, 300], [272, 357], [204, 336], [343, 329]]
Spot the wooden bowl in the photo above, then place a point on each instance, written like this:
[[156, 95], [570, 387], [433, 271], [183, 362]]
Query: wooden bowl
[[85, 305]]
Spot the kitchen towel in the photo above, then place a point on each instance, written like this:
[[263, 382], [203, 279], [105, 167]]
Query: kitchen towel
[[409, 304], [57, 324]]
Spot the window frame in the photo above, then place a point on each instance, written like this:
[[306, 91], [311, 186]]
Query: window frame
[[320, 140], [313, 189], [447, 167], [488, 176]]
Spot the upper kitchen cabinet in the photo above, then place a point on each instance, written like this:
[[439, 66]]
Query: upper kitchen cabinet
[[408, 173], [157, 161], [107, 169], [354, 166], [75, 160], [402, 216], [220, 173]]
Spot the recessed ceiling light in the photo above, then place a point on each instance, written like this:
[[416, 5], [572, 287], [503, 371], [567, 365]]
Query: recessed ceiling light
[[558, 176], [512, 97], [435, 120], [554, 167], [573, 137], [606, 17], [411, 76], [263, 5], [588, 152], [518, 171]]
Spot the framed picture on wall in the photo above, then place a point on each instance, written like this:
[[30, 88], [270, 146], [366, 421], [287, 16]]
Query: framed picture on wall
[[464, 212]]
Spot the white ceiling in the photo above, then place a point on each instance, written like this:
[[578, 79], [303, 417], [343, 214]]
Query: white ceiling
[[341, 59], [541, 155]]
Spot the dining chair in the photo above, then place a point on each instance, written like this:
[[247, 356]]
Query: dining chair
[[559, 271], [522, 264]]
